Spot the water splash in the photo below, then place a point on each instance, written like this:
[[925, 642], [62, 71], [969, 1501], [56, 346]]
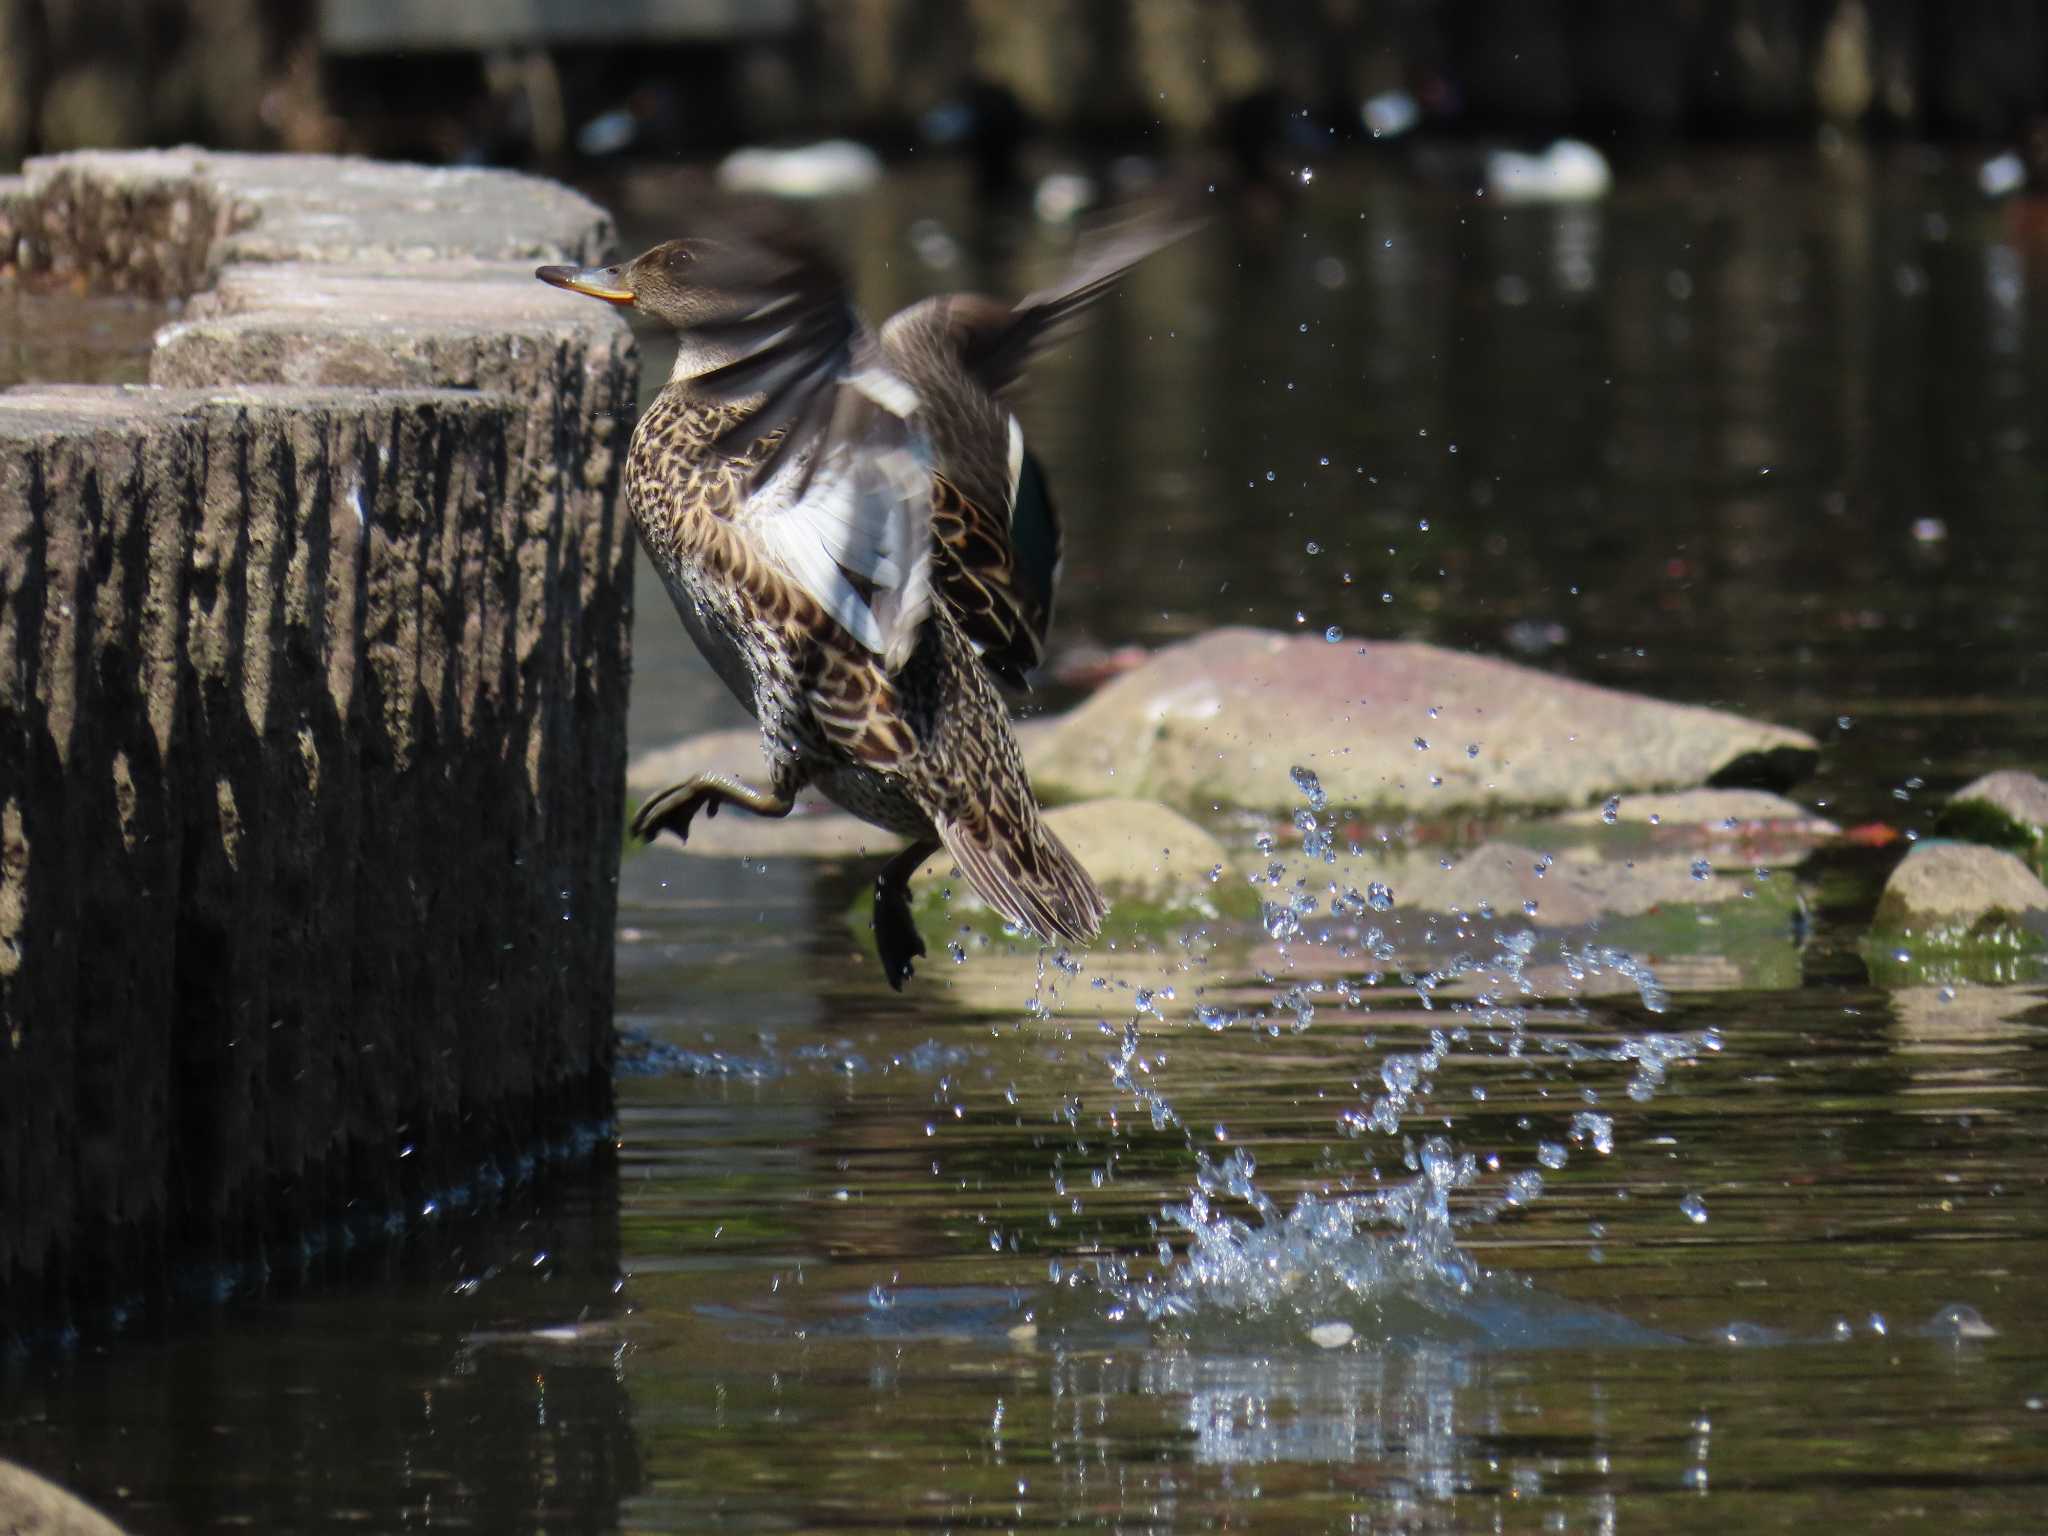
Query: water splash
[[1332, 1267]]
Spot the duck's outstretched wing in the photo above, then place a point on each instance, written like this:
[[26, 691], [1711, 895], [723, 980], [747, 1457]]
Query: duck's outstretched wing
[[998, 342], [996, 524], [839, 488]]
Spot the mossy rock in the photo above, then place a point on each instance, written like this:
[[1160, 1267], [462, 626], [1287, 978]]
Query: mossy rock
[[1959, 912], [2007, 809]]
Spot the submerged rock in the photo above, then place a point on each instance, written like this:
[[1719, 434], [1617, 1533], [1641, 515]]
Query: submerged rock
[[1400, 726]]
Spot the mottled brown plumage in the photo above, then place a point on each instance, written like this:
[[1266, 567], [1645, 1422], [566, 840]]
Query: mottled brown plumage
[[850, 529]]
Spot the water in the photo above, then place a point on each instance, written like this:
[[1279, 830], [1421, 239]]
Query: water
[[1526, 1235], [57, 334]]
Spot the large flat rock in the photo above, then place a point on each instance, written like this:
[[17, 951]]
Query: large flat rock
[[1397, 726]]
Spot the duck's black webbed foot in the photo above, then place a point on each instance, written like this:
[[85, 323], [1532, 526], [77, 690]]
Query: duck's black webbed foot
[[677, 806], [897, 941]]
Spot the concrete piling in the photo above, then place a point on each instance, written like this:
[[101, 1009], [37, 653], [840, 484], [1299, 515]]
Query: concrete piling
[[313, 663]]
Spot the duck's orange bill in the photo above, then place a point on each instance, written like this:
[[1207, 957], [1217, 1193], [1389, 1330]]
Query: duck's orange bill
[[599, 282]]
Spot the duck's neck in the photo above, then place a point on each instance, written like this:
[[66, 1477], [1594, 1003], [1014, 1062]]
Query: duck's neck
[[697, 355]]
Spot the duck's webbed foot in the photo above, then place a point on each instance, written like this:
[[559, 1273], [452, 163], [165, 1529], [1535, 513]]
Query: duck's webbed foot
[[897, 941], [675, 807]]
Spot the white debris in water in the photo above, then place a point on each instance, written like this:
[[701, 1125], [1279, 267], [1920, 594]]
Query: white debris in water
[[1331, 1335]]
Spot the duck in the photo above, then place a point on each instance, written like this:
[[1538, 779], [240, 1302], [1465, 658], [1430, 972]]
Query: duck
[[852, 530]]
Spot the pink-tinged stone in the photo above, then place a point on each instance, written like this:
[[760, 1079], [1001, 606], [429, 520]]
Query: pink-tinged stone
[[1223, 719]]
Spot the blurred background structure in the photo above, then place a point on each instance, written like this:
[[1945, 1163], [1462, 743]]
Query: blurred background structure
[[545, 81]]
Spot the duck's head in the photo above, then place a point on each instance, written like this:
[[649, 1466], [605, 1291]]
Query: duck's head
[[667, 284]]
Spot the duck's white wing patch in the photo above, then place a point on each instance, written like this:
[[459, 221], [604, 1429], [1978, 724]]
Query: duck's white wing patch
[[855, 530], [1016, 462]]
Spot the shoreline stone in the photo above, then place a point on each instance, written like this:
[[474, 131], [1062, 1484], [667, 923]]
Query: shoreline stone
[[312, 695]]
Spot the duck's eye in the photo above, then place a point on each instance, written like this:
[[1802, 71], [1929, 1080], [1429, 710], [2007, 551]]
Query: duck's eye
[[678, 258]]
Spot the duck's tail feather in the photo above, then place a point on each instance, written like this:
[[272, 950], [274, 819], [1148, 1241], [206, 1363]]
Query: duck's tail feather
[[1018, 865]]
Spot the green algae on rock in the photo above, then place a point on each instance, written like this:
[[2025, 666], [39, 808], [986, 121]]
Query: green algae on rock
[[1956, 911], [2007, 809]]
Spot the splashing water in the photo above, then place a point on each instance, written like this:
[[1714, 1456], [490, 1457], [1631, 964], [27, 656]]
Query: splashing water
[[1330, 1264]]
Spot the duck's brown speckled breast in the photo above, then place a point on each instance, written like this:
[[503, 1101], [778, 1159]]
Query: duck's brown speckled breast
[[764, 637]]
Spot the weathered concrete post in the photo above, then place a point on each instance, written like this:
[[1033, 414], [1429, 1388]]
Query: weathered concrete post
[[313, 662]]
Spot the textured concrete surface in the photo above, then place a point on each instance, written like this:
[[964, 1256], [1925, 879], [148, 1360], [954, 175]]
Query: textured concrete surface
[[167, 221], [312, 695]]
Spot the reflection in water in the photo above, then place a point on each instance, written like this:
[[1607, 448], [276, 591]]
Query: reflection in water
[[58, 336]]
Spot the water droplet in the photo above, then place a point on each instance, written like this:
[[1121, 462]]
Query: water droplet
[[1693, 1208], [879, 1297], [1611, 811], [1311, 787], [1379, 896], [1594, 1129], [1550, 1154], [1522, 1188], [1333, 634], [1421, 745], [1959, 1320], [1313, 547], [1702, 870]]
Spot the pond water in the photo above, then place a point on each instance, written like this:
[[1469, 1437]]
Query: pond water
[[54, 333], [1354, 1228]]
